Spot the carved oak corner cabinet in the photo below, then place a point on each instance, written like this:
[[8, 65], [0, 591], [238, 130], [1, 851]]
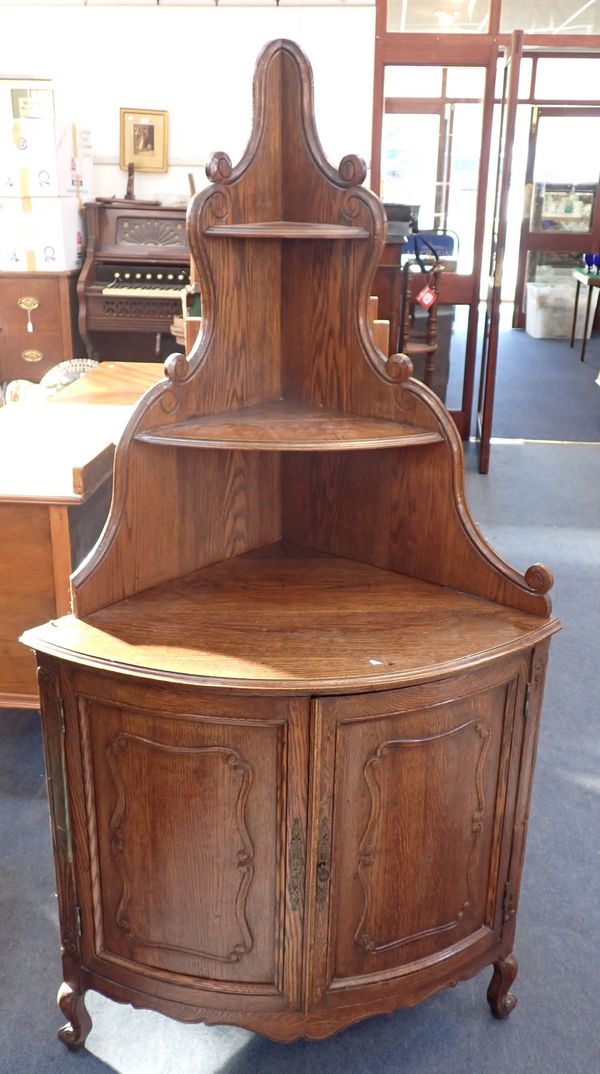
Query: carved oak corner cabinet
[[290, 725]]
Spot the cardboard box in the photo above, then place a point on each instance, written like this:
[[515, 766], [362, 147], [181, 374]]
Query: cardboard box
[[41, 234], [549, 309], [44, 158]]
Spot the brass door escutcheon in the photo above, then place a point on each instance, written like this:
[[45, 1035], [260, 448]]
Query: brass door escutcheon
[[28, 303]]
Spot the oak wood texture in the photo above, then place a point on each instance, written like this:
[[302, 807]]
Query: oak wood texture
[[326, 623], [284, 426], [28, 355], [287, 229], [293, 714], [54, 498]]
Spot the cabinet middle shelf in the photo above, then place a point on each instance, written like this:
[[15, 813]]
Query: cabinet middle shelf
[[287, 229], [285, 426]]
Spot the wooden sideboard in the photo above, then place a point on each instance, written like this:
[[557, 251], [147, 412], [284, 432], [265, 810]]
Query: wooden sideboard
[[54, 497], [293, 713], [38, 323]]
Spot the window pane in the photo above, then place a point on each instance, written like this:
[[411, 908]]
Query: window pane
[[412, 82], [552, 266], [524, 79], [462, 190], [551, 16], [567, 148], [559, 207], [568, 80], [465, 82], [445, 16], [409, 155]]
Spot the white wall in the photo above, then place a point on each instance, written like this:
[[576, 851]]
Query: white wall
[[196, 63]]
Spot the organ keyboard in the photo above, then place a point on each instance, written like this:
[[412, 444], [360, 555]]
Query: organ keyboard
[[133, 279]]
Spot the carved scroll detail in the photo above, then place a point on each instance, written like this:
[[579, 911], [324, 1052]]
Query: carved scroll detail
[[219, 168], [539, 578], [352, 170], [71, 1003], [176, 367], [399, 368], [405, 399], [245, 854], [368, 848], [501, 1001], [218, 204]]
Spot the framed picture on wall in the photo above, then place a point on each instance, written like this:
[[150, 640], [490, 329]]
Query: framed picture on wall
[[144, 139]]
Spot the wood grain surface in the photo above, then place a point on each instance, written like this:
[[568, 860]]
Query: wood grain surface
[[285, 426], [297, 701], [287, 619]]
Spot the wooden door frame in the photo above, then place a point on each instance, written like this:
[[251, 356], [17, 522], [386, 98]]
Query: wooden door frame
[[489, 355], [480, 51], [464, 50]]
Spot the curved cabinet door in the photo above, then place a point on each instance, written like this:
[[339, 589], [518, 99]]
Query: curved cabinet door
[[412, 816], [181, 843]]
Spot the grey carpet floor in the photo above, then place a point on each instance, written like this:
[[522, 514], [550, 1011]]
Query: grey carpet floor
[[539, 502], [543, 390]]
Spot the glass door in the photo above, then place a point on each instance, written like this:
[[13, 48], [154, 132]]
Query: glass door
[[433, 162], [561, 217]]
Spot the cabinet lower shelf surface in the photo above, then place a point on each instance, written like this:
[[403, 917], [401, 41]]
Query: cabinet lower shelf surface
[[289, 619]]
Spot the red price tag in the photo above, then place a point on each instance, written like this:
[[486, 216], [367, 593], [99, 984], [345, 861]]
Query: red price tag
[[426, 298]]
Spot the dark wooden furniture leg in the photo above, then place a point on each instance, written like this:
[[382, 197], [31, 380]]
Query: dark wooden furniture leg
[[573, 326], [587, 321], [502, 1001], [79, 1023]]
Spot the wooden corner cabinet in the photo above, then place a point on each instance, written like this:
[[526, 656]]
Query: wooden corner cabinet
[[290, 724]]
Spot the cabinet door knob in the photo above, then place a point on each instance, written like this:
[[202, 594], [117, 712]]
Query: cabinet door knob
[[32, 356]]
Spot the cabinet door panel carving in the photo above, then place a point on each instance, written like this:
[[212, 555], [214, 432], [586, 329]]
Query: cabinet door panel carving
[[182, 822], [391, 855], [414, 862], [217, 772]]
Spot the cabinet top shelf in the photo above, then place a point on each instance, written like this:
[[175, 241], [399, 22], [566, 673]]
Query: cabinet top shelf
[[286, 229], [284, 426], [290, 620]]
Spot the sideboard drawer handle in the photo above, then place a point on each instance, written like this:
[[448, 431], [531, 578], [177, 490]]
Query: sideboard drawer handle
[[32, 356], [28, 303]]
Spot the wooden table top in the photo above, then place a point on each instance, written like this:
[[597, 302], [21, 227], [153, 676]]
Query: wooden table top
[[59, 450]]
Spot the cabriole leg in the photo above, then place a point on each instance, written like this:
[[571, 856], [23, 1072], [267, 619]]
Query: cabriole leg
[[79, 1023], [499, 998]]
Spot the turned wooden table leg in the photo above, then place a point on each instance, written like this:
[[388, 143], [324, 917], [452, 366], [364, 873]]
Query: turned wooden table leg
[[79, 1023], [499, 998]]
